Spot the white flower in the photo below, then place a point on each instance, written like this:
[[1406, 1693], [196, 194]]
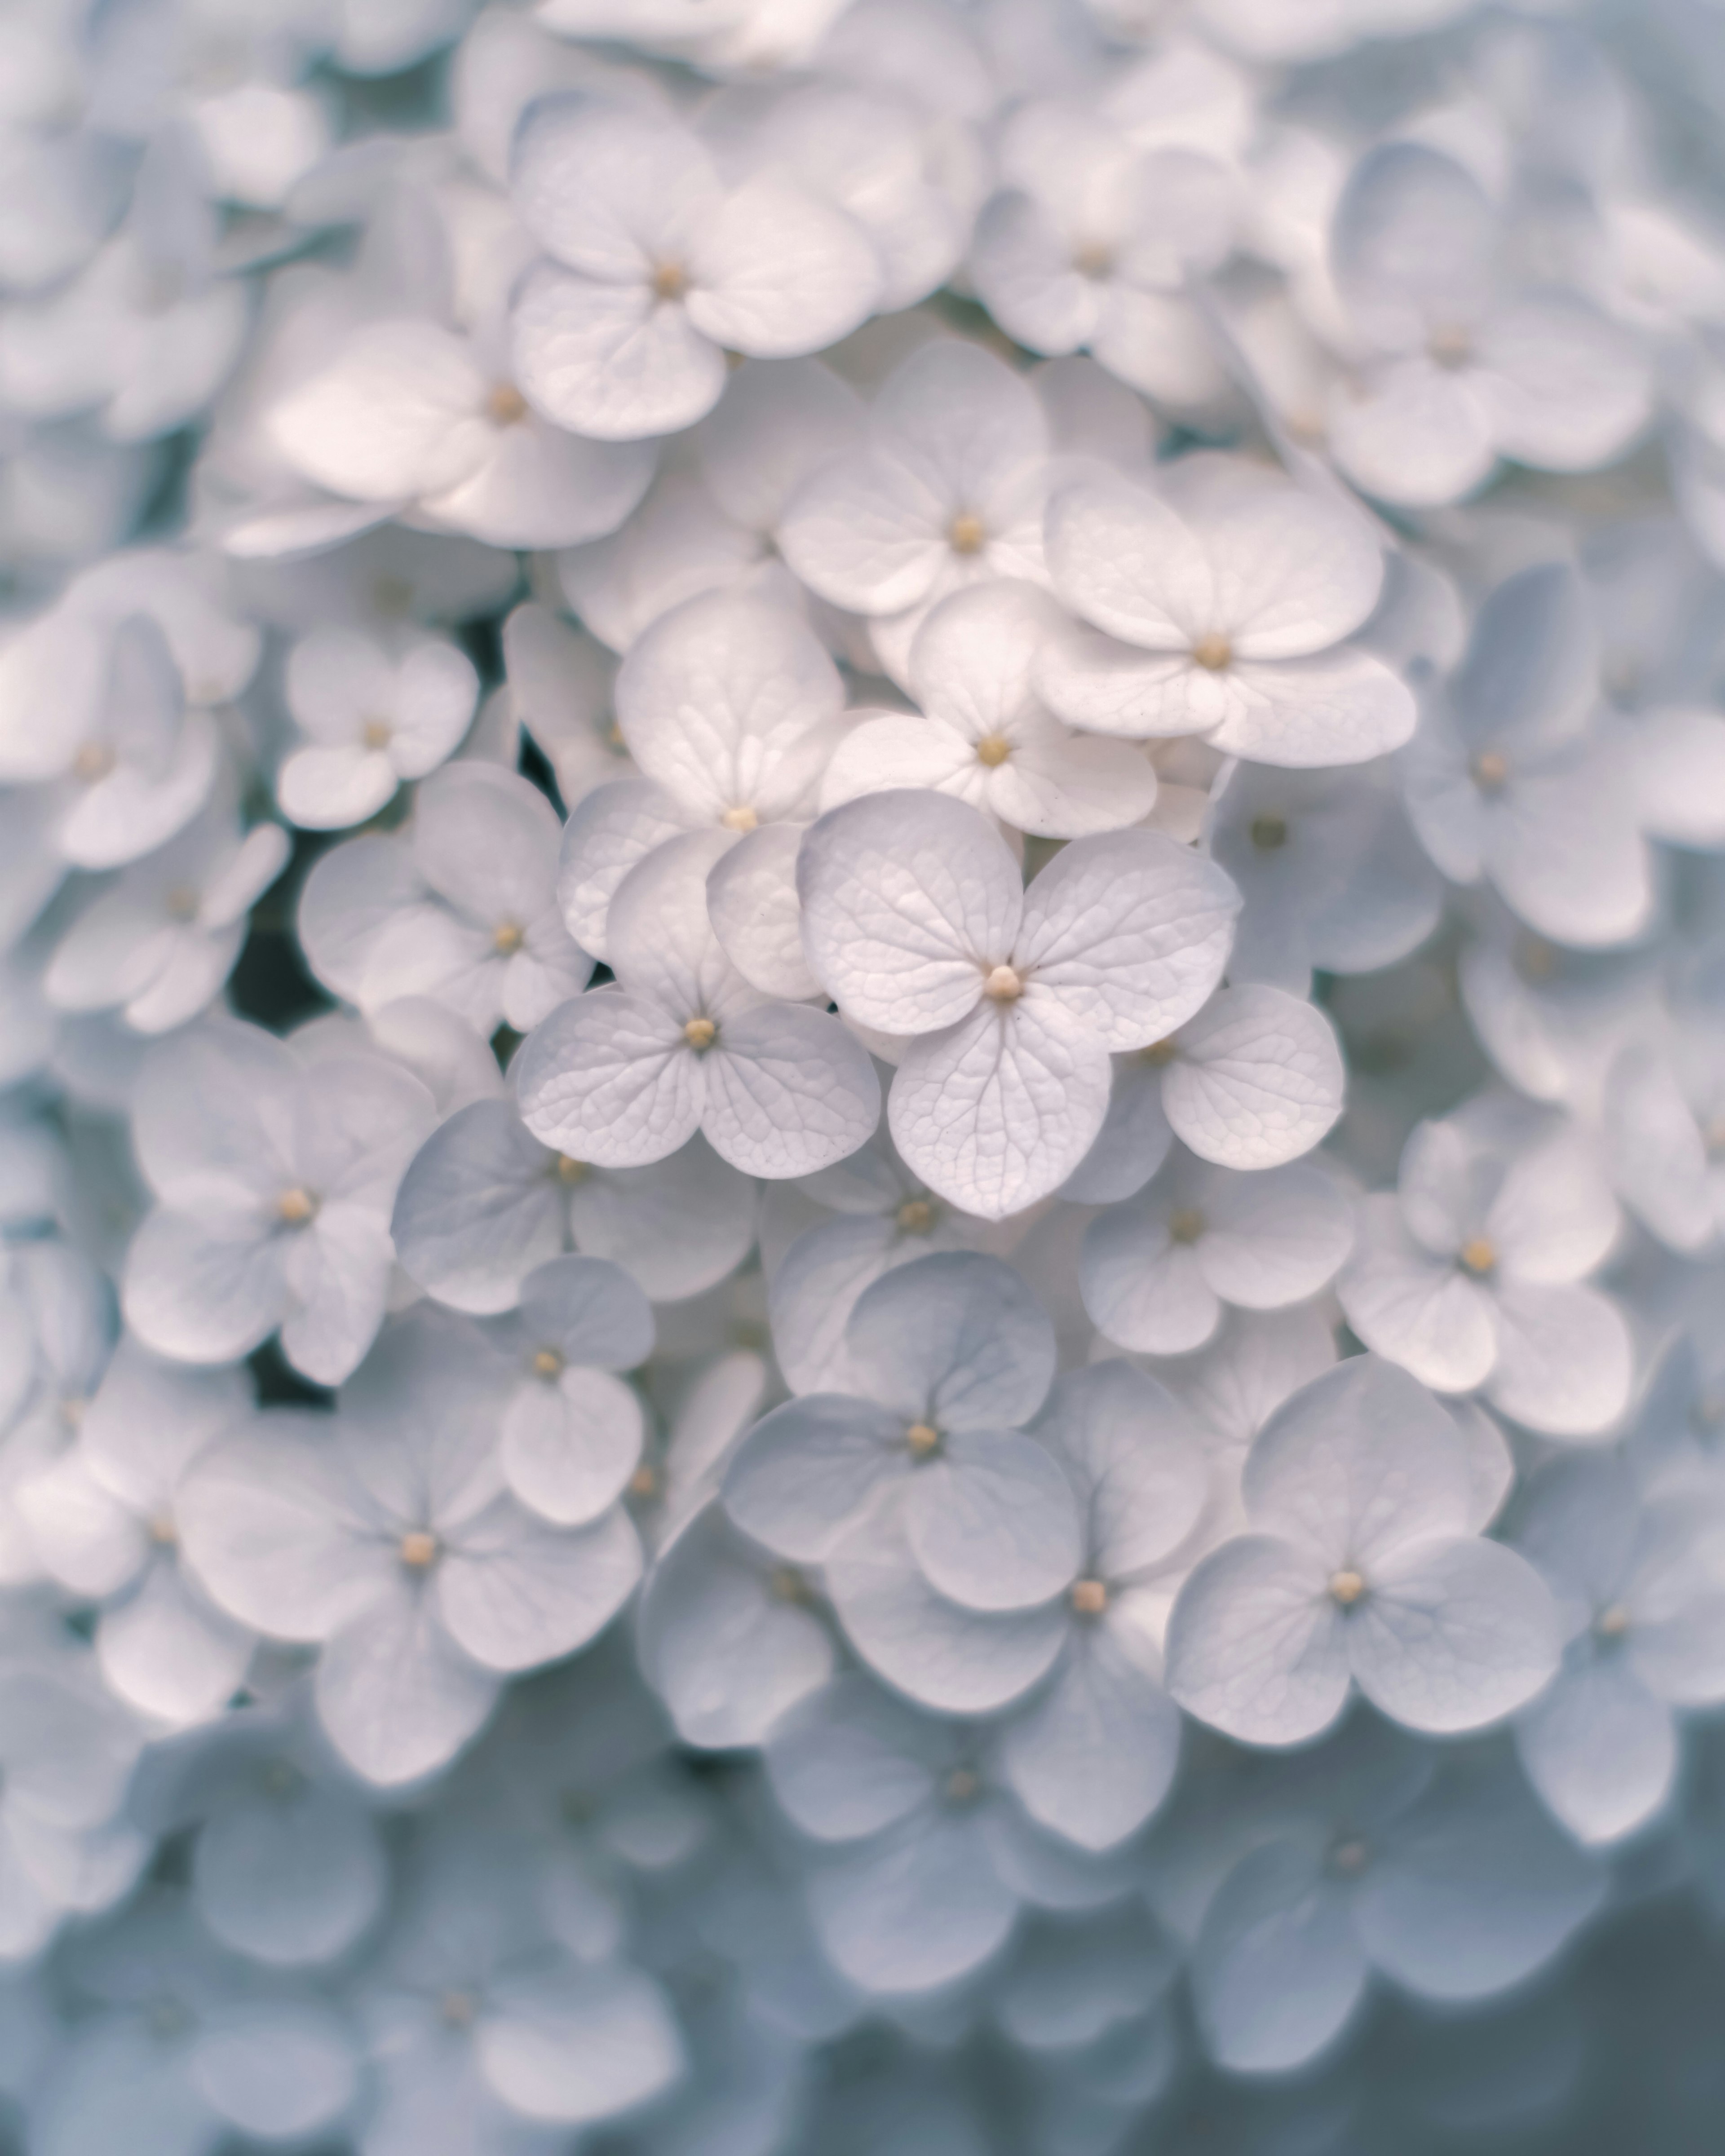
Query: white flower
[[288, 1863], [916, 919], [572, 1430], [1092, 242], [656, 265], [1158, 1272], [1453, 370], [1639, 1589], [388, 1537], [158, 946], [949, 1356], [985, 736], [370, 718], [1254, 1080], [1506, 772], [1457, 1890], [412, 415], [181, 2045], [905, 1891], [1471, 1276], [1663, 1126], [102, 1518], [625, 1076], [1328, 871], [67, 1750], [462, 907], [487, 2031], [1362, 1566], [727, 1637], [483, 1203], [886, 1217], [948, 491], [146, 333], [730, 710], [274, 1181], [1219, 604]]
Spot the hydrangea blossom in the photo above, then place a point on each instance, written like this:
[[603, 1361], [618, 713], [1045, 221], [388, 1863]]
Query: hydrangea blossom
[[584, 593]]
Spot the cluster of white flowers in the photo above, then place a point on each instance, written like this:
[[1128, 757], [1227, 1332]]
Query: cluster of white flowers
[[862, 1077]]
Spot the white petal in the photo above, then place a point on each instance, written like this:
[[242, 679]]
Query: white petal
[[396, 1696], [726, 1652], [961, 1661], [1130, 930], [777, 271], [752, 905], [514, 1591], [399, 412], [1125, 560], [1565, 1361], [1357, 1463], [718, 693], [578, 2046], [1277, 1970], [610, 359], [1479, 1890], [918, 1909], [788, 1091], [1258, 1079], [478, 1209], [1599, 1749], [992, 1522], [1135, 1459], [1093, 1756], [997, 1110], [1343, 707], [954, 1338], [608, 1078], [289, 1880], [1452, 1635], [169, 1652], [1420, 1310], [609, 833], [908, 899], [800, 1477], [569, 1448], [1274, 1237], [852, 1759], [1254, 1644], [1142, 1290]]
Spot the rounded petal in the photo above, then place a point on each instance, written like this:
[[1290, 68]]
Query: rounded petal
[[608, 1078], [290, 1880], [1258, 1079], [1092, 1756], [998, 1110], [1599, 1749], [955, 1339], [919, 1909], [958, 1661], [1565, 1360], [751, 902], [569, 1448], [992, 1522], [1277, 1971], [515, 1592], [609, 360], [789, 1092], [1342, 706], [1453, 1635], [1255, 1645], [908, 899], [803, 1473], [396, 1694], [1130, 930]]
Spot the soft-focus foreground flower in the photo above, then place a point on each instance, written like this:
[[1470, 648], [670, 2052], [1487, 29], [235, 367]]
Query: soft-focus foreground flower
[[862, 1078]]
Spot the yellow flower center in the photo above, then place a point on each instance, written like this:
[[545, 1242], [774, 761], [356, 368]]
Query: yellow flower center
[[700, 1032]]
